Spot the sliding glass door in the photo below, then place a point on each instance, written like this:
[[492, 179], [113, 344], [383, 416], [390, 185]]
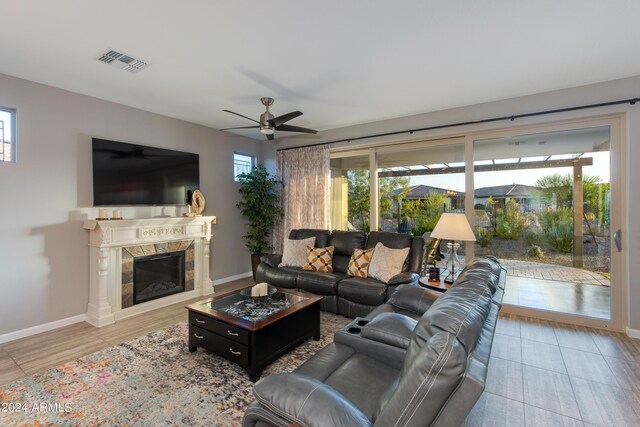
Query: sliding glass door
[[546, 200], [350, 201]]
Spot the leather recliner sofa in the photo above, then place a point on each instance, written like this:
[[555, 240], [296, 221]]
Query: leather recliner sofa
[[343, 294], [419, 360]]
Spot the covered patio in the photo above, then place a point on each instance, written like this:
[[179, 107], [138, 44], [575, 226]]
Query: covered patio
[[557, 288]]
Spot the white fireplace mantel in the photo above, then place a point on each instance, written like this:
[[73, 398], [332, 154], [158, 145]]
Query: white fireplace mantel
[[106, 240]]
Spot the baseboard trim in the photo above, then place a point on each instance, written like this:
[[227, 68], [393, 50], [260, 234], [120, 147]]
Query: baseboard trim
[[45, 327], [232, 278], [633, 333], [38, 329]]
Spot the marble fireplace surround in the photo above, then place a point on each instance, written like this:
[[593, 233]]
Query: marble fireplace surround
[[114, 243], [130, 253]]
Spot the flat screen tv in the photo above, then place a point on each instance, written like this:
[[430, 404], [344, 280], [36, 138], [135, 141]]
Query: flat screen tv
[[130, 174]]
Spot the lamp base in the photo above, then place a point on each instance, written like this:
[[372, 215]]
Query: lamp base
[[450, 278]]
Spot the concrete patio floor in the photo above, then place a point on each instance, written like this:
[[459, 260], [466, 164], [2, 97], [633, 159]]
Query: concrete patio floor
[[557, 288], [538, 270]]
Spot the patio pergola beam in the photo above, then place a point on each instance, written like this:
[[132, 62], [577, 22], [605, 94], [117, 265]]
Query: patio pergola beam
[[586, 161]]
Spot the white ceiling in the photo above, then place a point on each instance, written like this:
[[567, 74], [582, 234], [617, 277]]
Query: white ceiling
[[340, 62]]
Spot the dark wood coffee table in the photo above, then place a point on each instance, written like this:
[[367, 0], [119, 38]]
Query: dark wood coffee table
[[253, 332]]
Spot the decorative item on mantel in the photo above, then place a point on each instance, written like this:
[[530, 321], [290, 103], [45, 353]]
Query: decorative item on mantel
[[195, 203], [116, 214], [102, 215]]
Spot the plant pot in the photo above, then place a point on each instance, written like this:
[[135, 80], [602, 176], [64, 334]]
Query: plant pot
[[255, 261]]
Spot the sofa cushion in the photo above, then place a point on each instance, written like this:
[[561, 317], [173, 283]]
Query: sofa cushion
[[390, 240], [319, 259], [322, 236], [386, 262], [294, 253], [326, 361], [303, 400], [360, 373], [462, 311], [319, 282], [364, 291], [359, 262], [426, 382], [484, 270], [346, 241]]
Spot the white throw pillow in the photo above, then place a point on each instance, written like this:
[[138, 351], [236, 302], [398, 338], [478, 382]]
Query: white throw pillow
[[386, 262], [294, 253]]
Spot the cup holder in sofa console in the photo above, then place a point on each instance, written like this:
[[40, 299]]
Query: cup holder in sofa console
[[354, 330], [362, 322]]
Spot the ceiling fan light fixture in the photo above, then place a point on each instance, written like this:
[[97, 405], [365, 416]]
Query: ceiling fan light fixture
[[266, 130], [269, 124]]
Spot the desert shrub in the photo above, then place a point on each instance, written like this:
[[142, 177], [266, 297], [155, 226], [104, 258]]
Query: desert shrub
[[532, 237], [510, 222], [558, 229], [560, 237], [483, 236], [535, 251], [425, 224]]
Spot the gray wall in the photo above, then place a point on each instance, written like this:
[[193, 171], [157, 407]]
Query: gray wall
[[601, 92], [44, 262]]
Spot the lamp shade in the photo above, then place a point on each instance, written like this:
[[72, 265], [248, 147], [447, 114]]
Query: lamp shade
[[453, 226]]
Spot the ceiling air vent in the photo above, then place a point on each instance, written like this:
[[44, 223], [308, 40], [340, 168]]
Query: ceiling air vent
[[123, 61]]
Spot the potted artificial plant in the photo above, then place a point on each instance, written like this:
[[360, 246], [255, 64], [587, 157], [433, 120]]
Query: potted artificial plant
[[261, 206]]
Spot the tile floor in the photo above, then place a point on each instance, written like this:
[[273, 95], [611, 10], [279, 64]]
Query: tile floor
[[550, 374], [541, 373]]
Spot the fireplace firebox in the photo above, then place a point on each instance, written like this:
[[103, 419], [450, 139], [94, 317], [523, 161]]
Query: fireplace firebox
[[157, 276]]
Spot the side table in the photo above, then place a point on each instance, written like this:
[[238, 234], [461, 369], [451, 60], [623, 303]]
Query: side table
[[434, 285]]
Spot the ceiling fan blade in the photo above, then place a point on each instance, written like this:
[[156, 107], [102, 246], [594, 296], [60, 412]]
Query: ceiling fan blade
[[289, 128], [237, 114], [270, 137], [277, 121], [242, 127]]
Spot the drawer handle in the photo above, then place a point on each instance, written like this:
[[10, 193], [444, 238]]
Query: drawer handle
[[200, 321], [235, 352], [233, 334], [198, 336]]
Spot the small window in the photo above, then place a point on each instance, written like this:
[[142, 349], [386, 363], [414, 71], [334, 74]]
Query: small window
[[242, 163], [7, 134]]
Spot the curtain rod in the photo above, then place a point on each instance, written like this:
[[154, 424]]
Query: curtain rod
[[631, 101]]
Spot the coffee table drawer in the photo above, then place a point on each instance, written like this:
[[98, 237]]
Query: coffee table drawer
[[226, 348], [219, 327]]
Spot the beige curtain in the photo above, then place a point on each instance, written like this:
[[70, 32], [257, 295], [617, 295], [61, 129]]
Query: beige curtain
[[304, 173]]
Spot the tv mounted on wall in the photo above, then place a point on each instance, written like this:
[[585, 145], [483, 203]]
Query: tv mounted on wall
[[130, 174]]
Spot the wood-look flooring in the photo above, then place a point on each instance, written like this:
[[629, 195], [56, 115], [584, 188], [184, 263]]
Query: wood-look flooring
[[541, 373], [36, 353]]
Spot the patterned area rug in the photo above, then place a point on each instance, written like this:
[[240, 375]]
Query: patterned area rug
[[151, 380]]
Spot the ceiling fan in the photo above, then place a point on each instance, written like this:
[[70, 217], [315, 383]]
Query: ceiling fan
[[268, 124]]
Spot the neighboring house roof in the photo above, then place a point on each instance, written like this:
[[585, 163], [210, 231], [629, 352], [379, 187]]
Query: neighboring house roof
[[511, 190], [422, 191]]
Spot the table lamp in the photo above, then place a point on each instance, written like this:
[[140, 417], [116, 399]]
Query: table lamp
[[453, 226]]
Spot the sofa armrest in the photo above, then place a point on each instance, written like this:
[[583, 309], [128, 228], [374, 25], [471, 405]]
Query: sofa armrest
[[272, 260], [393, 329], [413, 298], [306, 401], [404, 278]]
